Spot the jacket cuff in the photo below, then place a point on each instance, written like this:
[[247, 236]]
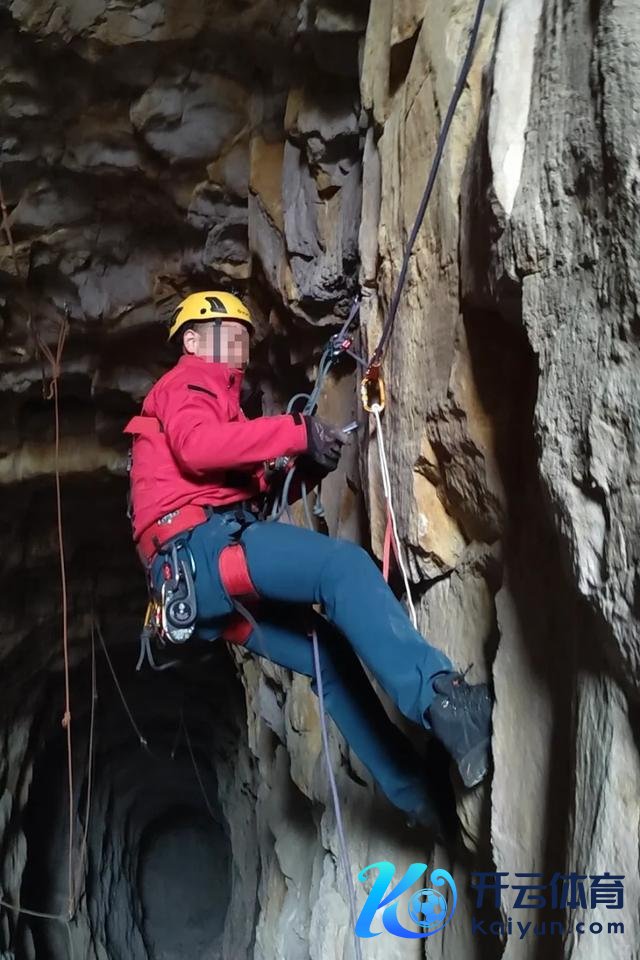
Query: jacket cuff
[[302, 423]]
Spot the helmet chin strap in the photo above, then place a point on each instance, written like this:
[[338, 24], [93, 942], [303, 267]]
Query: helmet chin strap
[[217, 326]]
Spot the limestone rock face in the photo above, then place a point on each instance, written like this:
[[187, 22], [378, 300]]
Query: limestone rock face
[[281, 149]]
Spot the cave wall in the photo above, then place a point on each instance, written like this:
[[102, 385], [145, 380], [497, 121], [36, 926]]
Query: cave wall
[[513, 373], [283, 148]]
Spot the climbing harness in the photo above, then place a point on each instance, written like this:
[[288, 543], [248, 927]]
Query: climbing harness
[[172, 614]]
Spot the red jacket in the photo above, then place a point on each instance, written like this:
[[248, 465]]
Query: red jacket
[[193, 443]]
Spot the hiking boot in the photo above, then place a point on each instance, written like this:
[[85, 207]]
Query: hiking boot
[[460, 717]]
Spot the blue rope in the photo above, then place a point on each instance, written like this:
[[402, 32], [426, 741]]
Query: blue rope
[[344, 850], [331, 353]]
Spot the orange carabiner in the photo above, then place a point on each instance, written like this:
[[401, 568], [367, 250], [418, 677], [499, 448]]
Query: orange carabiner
[[372, 381]]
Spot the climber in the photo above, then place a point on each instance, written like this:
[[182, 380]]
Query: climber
[[199, 471]]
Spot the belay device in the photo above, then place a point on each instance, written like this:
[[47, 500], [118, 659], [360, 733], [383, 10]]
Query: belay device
[[177, 594], [171, 615]]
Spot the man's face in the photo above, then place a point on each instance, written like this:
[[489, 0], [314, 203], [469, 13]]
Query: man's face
[[227, 342]]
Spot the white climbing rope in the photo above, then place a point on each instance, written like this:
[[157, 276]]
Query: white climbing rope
[[386, 482], [43, 916], [196, 768], [144, 743]]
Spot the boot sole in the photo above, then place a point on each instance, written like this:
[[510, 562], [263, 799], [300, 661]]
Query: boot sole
[[474, 766]]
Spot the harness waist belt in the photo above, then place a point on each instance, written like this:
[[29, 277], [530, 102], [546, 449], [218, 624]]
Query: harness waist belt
[[176, 522], [153, 538]]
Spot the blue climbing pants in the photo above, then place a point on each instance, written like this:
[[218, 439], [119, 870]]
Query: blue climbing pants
[[362, 622]]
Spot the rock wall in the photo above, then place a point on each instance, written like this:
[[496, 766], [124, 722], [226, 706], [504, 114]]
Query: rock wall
[[283, 148], [517, 350]]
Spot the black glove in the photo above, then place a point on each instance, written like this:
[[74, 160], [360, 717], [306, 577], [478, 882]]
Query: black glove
[[324, 442], [310, 469]]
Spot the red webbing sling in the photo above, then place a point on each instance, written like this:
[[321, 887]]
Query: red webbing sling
[[237, 581]]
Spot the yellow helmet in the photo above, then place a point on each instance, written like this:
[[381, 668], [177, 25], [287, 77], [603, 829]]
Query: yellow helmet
[[209, 305]]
